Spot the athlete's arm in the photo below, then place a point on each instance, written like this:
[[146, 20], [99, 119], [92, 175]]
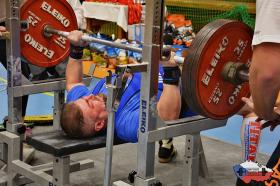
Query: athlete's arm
[[169, 105], [264, 79], [74, 69]]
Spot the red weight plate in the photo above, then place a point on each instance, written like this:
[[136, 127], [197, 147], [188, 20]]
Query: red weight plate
[[35, 46], [210, 94], [211, 29], [187, 67]]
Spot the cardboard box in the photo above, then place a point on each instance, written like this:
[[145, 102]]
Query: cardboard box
[[91, 69]]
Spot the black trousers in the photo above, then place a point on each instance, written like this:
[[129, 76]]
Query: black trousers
[[24, 69], [274, 158]]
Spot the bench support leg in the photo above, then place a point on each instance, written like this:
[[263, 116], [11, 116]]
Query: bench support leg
[[61, 171], [194, 162]]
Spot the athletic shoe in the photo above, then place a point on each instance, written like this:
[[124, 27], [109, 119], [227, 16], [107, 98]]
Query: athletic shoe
[[166, 151]]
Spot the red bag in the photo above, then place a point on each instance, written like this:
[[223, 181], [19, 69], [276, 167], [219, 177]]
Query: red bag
[[124, 2]]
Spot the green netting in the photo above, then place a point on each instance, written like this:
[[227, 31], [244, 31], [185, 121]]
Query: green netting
[[202, 12]]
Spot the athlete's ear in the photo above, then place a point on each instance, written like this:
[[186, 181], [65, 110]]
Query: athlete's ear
[[99, 126]]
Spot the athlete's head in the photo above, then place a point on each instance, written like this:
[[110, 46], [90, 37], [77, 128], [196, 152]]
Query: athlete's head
[[84, 117]]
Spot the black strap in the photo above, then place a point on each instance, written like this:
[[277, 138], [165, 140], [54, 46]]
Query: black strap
[[121, 90]]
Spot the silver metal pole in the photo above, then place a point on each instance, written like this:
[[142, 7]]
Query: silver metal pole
[[149, 88], [48, 30], [110, 134], [13, 62], [59, 97], [87, 38]]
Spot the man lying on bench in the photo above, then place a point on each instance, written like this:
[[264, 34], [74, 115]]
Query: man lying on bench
[[85, 114]]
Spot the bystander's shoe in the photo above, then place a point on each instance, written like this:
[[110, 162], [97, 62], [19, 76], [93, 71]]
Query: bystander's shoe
[[166, 151]]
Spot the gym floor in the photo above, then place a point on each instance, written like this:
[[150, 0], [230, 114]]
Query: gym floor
[[222, 149]]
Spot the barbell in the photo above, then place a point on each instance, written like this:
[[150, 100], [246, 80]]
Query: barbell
[[215, 72]]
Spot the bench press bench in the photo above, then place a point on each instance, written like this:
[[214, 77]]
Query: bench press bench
[[60, 146], [57, 144]]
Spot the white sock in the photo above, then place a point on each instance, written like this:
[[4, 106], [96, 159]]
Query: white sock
[[250, 137]]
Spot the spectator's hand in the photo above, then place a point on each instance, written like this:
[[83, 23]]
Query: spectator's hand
[[75, 38], [2, 29], [273, 123], [248, 107]]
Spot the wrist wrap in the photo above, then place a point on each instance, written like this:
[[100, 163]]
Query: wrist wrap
[[171, 75], [76, 52]]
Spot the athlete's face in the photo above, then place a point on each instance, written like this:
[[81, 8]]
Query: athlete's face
[[94, 113]]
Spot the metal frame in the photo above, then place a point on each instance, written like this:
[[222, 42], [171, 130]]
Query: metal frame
[[149, 132], [60, 168], [111, 107], [149, 85], [11, 140], [42, 86]]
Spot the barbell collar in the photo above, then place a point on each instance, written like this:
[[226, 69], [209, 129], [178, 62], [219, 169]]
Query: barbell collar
[[243, 75], [235, 73]]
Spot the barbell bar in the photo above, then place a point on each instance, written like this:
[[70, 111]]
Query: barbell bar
[[48, 31]]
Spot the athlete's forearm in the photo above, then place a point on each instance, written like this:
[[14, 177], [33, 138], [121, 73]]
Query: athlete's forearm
[[264, 79], [169, 105], [74, 73]]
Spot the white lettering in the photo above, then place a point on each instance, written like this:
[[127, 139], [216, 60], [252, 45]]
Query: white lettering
[[45, 6], [234, 95], [49, 53], [31, 20], [206, 78], [240, 48], [216, 95], [231, 100], [39, 47], [55, 13]]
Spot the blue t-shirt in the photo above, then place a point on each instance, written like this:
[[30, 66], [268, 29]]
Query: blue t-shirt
[[127, 115]]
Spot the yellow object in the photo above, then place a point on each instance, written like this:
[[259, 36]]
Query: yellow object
[[99, 60], [38, 119]]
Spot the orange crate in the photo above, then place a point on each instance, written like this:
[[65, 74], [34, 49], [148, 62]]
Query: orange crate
[[99, 72]]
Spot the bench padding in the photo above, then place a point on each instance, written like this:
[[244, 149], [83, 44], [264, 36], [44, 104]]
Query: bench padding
[[58, 144]]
